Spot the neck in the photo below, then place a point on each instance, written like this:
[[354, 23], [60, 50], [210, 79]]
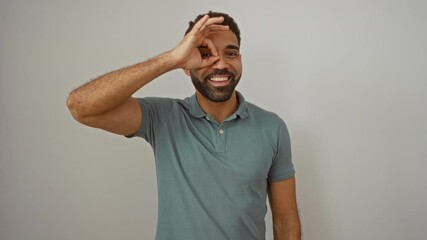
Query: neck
[[219, 110]]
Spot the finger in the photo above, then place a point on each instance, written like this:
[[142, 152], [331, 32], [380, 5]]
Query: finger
[[215, 20], [209, 61], [208, 43], [217, 27], [210, 21], [200, 23]]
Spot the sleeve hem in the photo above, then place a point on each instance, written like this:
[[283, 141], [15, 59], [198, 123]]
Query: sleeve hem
[[138, 131], [281, 177]]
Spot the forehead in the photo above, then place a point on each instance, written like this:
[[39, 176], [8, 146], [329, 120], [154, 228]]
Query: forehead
[[223, 38]]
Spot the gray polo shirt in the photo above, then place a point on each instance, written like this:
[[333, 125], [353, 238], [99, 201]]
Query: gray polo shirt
[[212, 178]]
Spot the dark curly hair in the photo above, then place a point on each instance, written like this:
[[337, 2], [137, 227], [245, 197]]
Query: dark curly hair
[[228, 21]]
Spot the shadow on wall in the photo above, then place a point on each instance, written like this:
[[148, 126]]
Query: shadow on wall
[[312, 183]]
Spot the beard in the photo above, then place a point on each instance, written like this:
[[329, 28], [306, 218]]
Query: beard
[[215, 94]]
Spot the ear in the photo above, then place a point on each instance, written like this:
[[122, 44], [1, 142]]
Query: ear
[[187, 72]]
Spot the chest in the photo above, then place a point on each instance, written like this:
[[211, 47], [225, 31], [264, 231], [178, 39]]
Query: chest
[[238, 151]]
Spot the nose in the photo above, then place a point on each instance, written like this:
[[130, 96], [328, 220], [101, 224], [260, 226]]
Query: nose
[[220, 63]]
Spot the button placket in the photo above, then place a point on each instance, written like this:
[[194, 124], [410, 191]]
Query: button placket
[[220, 139]]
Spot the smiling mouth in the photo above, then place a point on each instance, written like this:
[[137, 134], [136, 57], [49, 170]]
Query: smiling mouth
[[217, 78]]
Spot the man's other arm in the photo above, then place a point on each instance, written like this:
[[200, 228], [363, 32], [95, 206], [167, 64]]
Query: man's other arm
[[282, 198]]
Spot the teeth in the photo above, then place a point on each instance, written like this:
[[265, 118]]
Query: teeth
[[219, 79]]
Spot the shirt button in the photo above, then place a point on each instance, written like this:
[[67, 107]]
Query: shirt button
[[221, 131], [207, 118]]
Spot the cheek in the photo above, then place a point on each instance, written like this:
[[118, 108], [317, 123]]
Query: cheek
[[201, 73], [237, 67], [197, 73]]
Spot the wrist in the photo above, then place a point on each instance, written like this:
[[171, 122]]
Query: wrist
[[168, 60]]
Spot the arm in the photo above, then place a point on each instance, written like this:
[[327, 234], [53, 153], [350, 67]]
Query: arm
[[106, 102], [282, 197]]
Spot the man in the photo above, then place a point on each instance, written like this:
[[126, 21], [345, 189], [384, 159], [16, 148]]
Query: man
[[217, 156]]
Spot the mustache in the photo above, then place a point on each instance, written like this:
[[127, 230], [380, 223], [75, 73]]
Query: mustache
[[220, 72]]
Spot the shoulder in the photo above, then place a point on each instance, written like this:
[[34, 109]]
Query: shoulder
[[156, 100], [161, 102], [266, 117], [268, 125]]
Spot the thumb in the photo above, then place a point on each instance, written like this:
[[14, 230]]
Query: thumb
[[209, 61]]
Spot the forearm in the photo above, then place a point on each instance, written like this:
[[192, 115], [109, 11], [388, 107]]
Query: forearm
[[289, 229], [113, 89]]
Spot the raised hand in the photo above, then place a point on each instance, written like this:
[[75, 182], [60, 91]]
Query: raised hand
[[187, 54]]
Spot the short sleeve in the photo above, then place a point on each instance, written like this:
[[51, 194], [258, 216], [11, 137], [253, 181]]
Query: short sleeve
[[282, 166], [155, 112]]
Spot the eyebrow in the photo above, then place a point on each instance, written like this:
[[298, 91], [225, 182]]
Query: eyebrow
[[232, 46]]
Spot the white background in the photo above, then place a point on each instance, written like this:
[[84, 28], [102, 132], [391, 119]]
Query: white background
[[348, 77]]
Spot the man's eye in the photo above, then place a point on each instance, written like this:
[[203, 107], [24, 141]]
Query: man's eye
[[232, 54], [205, 55]]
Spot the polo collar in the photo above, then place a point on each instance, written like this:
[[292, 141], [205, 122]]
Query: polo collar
[[242, 110], [196, 110]]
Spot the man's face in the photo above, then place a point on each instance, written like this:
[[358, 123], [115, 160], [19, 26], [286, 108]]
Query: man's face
[[218, 81]]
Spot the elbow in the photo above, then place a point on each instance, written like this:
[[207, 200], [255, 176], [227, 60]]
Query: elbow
[[74, 108], [71, 102]]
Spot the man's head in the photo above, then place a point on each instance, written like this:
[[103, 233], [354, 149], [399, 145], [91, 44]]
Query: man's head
[[228, 21], [218, 81]]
